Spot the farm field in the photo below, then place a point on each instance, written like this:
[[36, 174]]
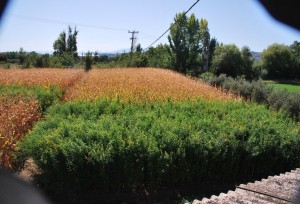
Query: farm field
[[24, 95], [290, 86], [138, 128], [146, 84]]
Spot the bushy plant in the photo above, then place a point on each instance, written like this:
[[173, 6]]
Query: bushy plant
[[88, 61], [218, 80], [258, 92], [112, 145], [206, 76]]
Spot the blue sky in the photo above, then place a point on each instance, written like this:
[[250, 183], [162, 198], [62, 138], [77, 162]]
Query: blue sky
[[103, 24]]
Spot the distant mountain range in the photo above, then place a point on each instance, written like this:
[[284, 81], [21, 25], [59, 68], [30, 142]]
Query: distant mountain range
[[256, 55]]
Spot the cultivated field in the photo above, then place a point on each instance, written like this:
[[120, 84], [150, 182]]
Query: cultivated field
[[146, 84], [136, 129], [42, 77], [24, 94], [17, 115]]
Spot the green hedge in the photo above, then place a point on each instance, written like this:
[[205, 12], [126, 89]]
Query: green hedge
[[111, 145], [259, 92]]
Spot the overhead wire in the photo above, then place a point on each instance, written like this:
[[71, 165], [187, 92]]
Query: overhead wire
[[170, 27], [68, 23], [97, 26]]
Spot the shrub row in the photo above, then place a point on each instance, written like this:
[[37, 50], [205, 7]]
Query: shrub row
[[257, 91], [111, 145], [46, 96]]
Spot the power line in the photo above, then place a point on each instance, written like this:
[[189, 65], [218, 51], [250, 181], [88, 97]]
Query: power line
[[170, 27], [68, 23]]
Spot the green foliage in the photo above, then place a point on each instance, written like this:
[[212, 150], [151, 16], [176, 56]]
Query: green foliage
[[205, 41], [290, 86], [259, 92], [212, 47], [227, 60], [189, 39], [248, 61], [276, 59], [46, 96], [88, 61], [159, 56], [66, 44], [295, 57], [111, 145], [178, 42], [206, 76], [36, 60], [139, 60]]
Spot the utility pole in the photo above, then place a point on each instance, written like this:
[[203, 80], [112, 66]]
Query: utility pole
[[132, 39], [132, 44]]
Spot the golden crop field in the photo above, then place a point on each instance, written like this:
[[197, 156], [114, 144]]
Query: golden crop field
[[17, 116], [141, 84], [43, 77]]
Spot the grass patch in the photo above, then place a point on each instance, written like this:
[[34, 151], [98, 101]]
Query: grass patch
[[290, 86]]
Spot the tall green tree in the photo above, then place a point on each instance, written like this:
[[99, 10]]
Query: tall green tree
[[212, 46], [189, 41], [72, 42], [227, 59], [178, 39], [295, 57], [193, 44], [276, 59], [22, 56], [66, 43], [205, 41], [248, 61], [60, 45]]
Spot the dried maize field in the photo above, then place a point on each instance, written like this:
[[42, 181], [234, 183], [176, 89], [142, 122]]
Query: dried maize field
[[145, 84], [63, 78], [17, 116], [19, 111]]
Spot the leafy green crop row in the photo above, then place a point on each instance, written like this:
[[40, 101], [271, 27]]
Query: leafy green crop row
[[114, 145], [45, 95]]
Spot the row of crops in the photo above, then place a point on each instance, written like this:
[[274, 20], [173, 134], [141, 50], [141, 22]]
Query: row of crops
[[109, 144], [110, 139]]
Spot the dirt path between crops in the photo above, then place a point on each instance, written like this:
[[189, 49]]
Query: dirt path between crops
[[72, 84]]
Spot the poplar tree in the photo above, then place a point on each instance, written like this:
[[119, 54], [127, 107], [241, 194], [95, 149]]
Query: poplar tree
[[66, 44]]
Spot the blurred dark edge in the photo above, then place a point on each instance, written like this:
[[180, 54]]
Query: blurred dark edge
[[3, 4], [286, 11], [15, 191]]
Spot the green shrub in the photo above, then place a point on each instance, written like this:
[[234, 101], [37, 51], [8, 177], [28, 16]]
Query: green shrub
[[111, 145], [258, 92], [206, 76], [218, 80], [46, 96], [88, 60], [277, 98], [291, 105]]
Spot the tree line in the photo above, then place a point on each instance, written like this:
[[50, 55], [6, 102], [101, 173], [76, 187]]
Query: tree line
[[190, 50]]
